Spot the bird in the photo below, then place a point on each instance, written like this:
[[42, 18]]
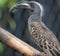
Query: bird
[[42, 36]]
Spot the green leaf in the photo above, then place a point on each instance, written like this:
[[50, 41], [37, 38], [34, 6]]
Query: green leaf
[[2, 3], [12, 23]]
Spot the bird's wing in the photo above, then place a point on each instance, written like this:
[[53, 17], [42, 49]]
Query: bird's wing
[[44, 38]]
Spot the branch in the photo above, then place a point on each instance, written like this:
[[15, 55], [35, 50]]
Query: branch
[[18, 44]]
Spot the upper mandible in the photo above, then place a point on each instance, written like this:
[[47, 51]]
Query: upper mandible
[[20, 5]]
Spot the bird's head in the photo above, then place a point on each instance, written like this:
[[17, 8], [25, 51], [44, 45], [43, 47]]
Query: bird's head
[[35, 7]]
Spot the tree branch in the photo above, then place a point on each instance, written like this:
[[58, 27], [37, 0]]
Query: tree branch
[[18, 44]]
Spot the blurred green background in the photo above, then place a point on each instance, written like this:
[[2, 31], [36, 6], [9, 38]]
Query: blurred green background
[[5, 17]]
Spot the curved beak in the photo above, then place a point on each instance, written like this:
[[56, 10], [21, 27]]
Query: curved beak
[[20, 5]]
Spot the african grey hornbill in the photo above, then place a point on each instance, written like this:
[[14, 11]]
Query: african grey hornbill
[[41, 35]]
